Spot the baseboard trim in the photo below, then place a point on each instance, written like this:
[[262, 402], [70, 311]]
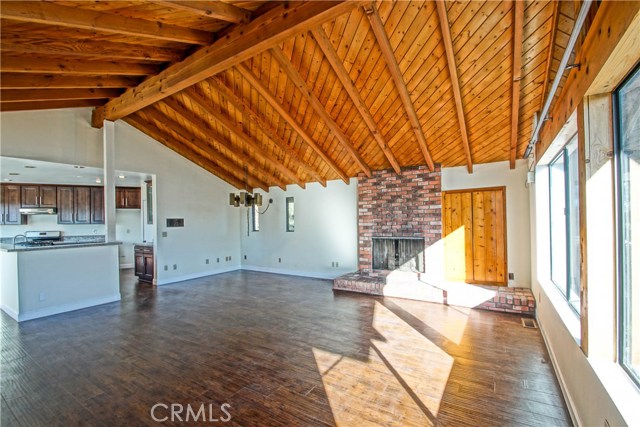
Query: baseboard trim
[[64, 308], [573, 413], [12, 313], [287, 272], [170, 280]]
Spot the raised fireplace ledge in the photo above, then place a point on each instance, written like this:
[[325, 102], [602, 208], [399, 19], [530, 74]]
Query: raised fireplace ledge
[[412, 286]]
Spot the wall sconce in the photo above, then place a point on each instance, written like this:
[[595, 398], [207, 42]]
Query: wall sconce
[[245, 199]]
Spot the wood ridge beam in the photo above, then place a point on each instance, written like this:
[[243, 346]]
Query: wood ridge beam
[[275, 104], [314, 102], [245, 138], [211, 9], [392, 64], [455, 81], [17, 95], [74, 17], [182, 149], [242, 42], [518, 27], [206, 128], [338, 67], [42, 65], [244, 107]]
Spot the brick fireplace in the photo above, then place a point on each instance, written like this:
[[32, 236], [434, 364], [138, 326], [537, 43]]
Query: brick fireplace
[[404, 207]]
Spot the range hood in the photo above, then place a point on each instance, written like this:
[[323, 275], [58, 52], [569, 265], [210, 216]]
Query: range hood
[[38, 211]]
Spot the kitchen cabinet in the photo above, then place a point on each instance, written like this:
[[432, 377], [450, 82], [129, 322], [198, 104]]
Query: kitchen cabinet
[[10, 196], [65, 205], [128, 198], [82, 205], [38, 196], [144, 265], [97, 205]]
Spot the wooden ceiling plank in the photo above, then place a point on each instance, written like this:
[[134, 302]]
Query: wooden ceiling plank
[[211, 9], [32, 81], [275, 104], [207, 129], [49, 105], [42, 65], [518, 17], [182, 149], [75, 17], [92, 48], [552, 41], [338, 67], [244, 107], [16, 95], [455, 84], [387, 52], [247, 139], [301, 84], [241, 43]]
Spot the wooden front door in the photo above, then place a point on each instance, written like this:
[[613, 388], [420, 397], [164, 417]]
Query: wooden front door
[[475, 233]]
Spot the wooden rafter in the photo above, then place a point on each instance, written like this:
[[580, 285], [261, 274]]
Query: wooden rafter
[[207, 129], [32, 81], [245, 138], [518, 26], [239, 170], [47, 105], [182, 149], [243, 106], [392, 64], [241, 43], [41, 65], [338, 67], [211, 9], [92, 48], [314, 102], [455, 82], [16, 95], [275, 104], [552, 42]]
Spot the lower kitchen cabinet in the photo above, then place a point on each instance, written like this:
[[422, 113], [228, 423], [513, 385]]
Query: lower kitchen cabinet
[[144, 263]]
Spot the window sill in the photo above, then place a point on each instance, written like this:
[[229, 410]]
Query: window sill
[[567, 314], [623, 391]]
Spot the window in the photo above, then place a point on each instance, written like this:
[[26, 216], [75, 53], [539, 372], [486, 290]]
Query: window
[[564, 227], [290, 214], [255, 218], [628, 194]]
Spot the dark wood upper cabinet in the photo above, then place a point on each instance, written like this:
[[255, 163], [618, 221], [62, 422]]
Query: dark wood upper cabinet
[[82, 205], [10, 196], [128, 198], [97, 205], [38, 196], [65, 205]]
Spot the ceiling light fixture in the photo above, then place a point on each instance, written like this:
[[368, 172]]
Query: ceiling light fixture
[[245, 199], [121, 176]]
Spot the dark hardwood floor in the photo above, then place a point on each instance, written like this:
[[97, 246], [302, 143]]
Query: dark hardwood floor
[[281, 351]]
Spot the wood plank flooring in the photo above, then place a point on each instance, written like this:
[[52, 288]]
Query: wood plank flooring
[[282, 351]]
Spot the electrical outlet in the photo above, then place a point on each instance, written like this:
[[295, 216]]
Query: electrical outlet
[[217, 259], [166, 268], [245, 257], [164, 234], [337, 264], [206, 261], [175, 266], [333, 264], [229, 257], [43, 296], [279, 259], [128, 231], [511, 276]]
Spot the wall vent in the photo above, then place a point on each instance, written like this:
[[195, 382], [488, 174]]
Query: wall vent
[[528, 322]]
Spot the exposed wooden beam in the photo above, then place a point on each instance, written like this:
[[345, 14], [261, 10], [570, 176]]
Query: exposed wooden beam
[[49, 105], [518, 27], [182, 149], [31, 81], [621, 19], [295, 77], [240, 134], [243, 106], [241, 43], [340, 70], [552, 42], [206, 128], [42, 65], [16, 95], [239, 168], [455, 82], [275, 104], [211, 9], [75, 17], [392, 64], [91, 48]]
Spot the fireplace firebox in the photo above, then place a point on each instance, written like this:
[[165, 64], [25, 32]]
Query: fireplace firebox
[[398, 253]]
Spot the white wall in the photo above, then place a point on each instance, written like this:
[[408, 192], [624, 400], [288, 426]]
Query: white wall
[[129, 232], [182, 189], [326, 231], [518, 237]]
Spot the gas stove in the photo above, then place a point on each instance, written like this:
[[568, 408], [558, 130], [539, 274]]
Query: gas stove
[[41, 238]]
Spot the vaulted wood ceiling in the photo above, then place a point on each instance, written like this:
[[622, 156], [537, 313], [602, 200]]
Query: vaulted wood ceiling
[[268, 94]]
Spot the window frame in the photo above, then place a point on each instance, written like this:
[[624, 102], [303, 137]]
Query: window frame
[[289, 226], [255, 218]]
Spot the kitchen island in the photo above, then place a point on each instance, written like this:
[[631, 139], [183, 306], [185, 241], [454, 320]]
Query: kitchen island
[[42, 281]]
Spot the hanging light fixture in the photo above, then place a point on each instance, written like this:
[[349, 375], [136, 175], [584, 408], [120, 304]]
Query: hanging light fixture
[[245, 199]]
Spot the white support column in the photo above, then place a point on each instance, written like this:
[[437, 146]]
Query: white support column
[[108, 133]]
